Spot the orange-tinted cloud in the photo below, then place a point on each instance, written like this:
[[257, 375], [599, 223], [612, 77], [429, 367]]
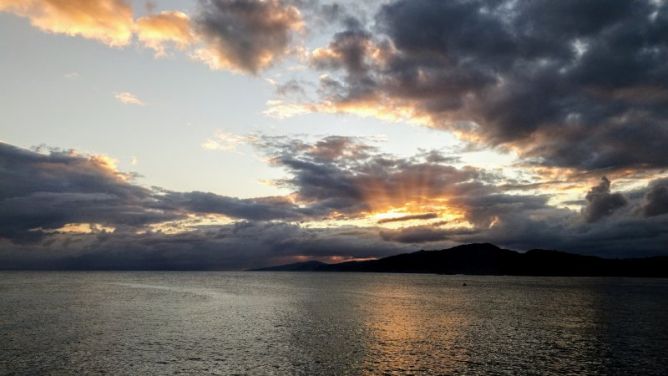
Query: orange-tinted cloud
[[343, 178], [165, 28], [239, 35], [107, 21]]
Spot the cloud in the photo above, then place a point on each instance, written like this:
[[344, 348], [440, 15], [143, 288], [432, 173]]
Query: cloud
[[165, 28], [348, 51], [49, 191], [107, 21], [292, 87], [41, 192], [601, 202], [656, 198], [245, 35], [64, 209], [230, 247], [569, 84], [259, 209], [408, 218], [226, 141], [126, 97], [344, 177]]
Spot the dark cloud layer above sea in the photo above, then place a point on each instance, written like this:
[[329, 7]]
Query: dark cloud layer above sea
[[236, 246], [578, 84], [334, 178]]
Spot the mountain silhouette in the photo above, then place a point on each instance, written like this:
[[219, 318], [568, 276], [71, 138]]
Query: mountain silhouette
[[488, 259]]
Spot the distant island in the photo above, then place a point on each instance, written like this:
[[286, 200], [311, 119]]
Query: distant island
[[488, 259]]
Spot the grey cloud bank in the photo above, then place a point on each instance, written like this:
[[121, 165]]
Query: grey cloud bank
[[580, 84], [41, 193]]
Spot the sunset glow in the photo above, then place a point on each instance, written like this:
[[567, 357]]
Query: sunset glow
[[334, 131]]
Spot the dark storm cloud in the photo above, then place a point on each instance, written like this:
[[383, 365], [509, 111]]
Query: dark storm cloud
[[601, 202], [571, 83], [39, 191], [248, 35], [656, 198], [26, 172]]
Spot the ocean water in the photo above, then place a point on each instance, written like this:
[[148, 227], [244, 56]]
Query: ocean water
[[329, 324]]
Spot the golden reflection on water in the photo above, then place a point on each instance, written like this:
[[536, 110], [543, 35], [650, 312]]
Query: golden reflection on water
[[405, 337]]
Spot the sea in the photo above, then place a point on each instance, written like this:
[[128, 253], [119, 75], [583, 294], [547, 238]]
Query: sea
[[299, 323]]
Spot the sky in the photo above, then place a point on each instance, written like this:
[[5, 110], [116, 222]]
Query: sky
[[232, 134]]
